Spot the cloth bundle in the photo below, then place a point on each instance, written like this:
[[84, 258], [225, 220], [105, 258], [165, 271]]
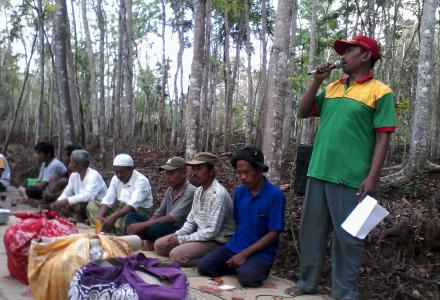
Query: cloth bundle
[[129, 278], [53, 262]]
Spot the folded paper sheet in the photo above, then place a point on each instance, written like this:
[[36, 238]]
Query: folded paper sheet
[[366, 215]]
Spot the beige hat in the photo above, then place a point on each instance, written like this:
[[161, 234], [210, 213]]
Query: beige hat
[[202, 158], [173, 163], [123, 160]]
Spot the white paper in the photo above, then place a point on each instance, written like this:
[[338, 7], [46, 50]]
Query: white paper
[[226, 287], [4, 210], [366, 215]]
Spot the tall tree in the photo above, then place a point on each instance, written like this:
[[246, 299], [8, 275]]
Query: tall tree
[[277, 83], [92, 81], [196, 80], [66, 129], [102, 115], [162, 121], [40, 14], [250, 91]]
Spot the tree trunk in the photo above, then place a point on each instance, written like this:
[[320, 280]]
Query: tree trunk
[[250, 91], [162, 121], [92, 82], [129, 120], [262, 87], [196, 80], [102, 118], [277, 84], [289, 101], [420, 138], [308, 124], [41, 70], [66, 130], [207, 69], [228, 82]]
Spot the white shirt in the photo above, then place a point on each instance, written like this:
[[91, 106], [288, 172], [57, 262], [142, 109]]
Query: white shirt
[[92, 187], [6, 175], [136, 192]]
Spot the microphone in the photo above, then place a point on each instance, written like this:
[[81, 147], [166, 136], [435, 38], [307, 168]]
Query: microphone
[[336, 65]]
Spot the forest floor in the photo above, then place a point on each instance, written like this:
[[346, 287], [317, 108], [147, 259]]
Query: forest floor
[[402, 259]]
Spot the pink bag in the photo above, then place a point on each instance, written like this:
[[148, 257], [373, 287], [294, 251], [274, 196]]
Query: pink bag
[[18, 237]]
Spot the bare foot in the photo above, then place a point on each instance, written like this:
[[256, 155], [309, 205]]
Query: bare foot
[[295, 291]]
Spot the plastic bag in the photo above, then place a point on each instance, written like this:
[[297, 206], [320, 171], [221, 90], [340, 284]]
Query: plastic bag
[[18, 237]]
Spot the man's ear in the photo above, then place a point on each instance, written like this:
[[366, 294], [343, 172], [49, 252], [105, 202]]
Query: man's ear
[[366, 56]]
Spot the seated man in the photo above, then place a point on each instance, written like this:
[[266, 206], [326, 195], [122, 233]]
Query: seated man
[[259, 215], [173, 210], [128, 191], [85, 184], [57, 184], [5, 173], [209, 224], [51, 169]]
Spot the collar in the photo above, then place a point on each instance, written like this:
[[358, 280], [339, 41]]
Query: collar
[[182, 189], [363, 79]]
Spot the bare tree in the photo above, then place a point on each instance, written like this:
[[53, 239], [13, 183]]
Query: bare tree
[[277, 83], [66, 129], [196, 80]]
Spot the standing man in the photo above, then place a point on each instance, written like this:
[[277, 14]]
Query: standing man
[[128, 191], [357, 118], [85, 184], [5, 173], [173, 210], [259, 214], [209, 224]]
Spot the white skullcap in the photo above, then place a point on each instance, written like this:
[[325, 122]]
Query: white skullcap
[[123, 160]]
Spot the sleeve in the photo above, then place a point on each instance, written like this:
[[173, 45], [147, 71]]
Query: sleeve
[[215, 220], [161, 211], [183, 206], [68, 191], [54, 169], [236, 204], [89, 191], [385, 119], [110, 196], [276, 214], [319, 100], [141, 196]]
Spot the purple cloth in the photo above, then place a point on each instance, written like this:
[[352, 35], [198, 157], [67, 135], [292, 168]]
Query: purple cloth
[[120, 281]]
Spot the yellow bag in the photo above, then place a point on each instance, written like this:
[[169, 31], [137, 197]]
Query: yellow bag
[[52, 264]]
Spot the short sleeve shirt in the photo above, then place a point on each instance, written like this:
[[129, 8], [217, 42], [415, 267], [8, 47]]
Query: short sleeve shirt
[[179, 206], [255, 216], [350, 116], [54, 169]]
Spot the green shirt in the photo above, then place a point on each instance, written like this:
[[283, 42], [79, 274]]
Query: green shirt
[[350, 116]]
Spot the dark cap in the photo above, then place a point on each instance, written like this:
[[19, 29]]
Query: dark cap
[[252, 155], [202, 158], [173, 163], [363, 41]]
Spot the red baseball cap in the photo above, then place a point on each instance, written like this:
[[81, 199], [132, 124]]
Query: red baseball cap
[[359, 40]]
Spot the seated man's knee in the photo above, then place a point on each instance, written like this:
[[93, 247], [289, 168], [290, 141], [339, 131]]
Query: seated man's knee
[[204, 266], [160, 246], [180, 256], [248, 279]]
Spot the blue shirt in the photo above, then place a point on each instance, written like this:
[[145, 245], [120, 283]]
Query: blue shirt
[[255, 217]]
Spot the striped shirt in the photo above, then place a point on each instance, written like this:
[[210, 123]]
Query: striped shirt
[[211, 216]]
